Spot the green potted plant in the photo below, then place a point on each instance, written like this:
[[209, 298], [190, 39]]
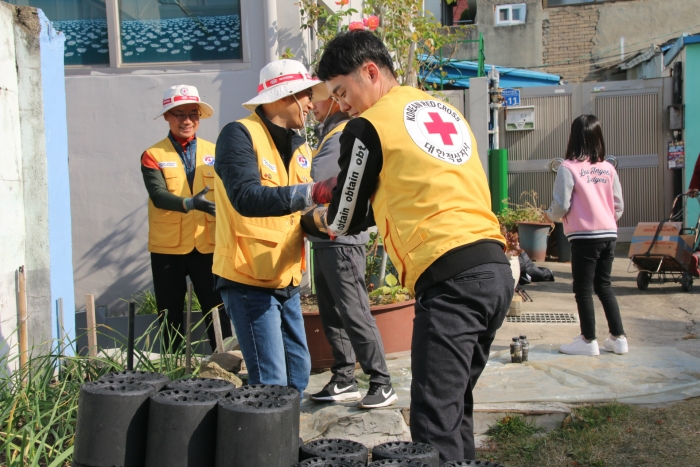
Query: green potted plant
[[531, 224]]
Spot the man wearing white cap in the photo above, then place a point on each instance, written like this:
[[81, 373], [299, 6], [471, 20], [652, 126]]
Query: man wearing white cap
[[179, 174], [264, 169]]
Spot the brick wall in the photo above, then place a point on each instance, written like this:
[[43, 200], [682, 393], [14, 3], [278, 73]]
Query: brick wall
[[567, 40]]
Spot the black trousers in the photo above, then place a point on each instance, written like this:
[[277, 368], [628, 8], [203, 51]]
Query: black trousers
[[591, 265], [170, 288], [343, 305], [455, 324]]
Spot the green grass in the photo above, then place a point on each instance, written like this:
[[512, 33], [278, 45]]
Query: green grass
[[146, 303], [512, 427], [585, 439], [38, 412]]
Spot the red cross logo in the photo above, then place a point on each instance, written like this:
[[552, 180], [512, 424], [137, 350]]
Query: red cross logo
[[444, 129]]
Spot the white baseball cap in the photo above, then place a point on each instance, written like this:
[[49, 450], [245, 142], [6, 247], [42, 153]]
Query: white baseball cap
[[182, 94], [284, 78]]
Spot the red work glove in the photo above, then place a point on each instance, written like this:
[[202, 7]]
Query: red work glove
[[321, 191]]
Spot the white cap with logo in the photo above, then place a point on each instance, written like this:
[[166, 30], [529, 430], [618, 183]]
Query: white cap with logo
[[182, 94], [284, 78]]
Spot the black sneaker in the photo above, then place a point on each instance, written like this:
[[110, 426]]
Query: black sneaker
[[334, 391], [379, 395]]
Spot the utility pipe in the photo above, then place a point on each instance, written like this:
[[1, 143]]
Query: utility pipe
[[270, 25], [495, 106]]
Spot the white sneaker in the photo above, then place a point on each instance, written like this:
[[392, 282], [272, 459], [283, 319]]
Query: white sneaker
[[619, 345], [579, 346]]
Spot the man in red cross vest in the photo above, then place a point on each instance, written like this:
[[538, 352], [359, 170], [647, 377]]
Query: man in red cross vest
[[409, 163]]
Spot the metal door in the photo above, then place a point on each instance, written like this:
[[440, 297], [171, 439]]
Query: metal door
[[530, 152], [631, 113]]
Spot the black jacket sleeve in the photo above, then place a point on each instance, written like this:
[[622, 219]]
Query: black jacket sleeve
[[158, 190], [361, 160], [237, 166]]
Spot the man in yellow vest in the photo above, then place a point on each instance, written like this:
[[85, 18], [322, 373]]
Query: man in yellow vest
[[339, 277], [179, 176], [409, 162], [264, 181]]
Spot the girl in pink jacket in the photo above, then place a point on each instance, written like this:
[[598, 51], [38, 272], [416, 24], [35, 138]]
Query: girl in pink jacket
[[588, 201]]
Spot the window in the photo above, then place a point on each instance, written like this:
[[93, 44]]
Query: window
[[508, 15], [84, 23], [552, 3], [127, 32], [179, 30]]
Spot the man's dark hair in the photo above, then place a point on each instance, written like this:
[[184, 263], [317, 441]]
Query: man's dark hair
[[586, 140], [348, 51]]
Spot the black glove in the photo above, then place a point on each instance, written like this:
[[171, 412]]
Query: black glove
[[200, 203], [312, 222]]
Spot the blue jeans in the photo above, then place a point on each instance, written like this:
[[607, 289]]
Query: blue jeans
[[271, 333]]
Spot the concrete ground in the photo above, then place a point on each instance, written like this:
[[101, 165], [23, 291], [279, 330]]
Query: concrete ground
[[661, 316]]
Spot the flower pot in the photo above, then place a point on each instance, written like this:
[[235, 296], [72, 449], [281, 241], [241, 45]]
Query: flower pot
[[533, 239], [394, 321]]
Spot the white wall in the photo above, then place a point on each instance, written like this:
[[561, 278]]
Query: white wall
[[12, 239], [24, 180]]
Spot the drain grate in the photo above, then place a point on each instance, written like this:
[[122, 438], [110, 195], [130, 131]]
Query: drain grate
[[549, 318]]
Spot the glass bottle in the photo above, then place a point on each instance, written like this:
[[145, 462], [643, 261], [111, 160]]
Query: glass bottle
[[524, 347], [516, 351]]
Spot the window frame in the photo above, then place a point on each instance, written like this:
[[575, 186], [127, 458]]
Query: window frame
[[116, 66], [545, 3], [510, 7]]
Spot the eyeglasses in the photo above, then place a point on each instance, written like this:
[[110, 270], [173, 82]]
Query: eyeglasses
[[305, 92], [192, 116]]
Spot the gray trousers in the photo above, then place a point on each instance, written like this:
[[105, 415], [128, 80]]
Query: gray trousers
[[339, 276]]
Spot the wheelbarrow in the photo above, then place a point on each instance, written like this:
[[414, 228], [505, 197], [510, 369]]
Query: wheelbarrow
[[662, 268]]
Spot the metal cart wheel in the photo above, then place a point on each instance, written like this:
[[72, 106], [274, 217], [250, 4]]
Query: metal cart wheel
[[686, 282], [643, 279]]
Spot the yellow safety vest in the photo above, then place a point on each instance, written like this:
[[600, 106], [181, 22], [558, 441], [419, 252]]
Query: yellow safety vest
[[335, 130], [262, 251], [432, 195], [178, 233]]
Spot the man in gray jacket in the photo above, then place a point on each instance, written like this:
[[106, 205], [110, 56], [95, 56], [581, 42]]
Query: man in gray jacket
[[339, 276]]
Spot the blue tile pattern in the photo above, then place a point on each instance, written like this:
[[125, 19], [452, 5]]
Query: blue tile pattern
[[181, 39]]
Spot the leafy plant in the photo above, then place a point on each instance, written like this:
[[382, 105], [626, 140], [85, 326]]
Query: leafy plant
[[512, 241], [146, 303], [392, 292], [415, 40], [374, 262], [527, 211]]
